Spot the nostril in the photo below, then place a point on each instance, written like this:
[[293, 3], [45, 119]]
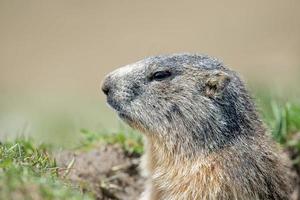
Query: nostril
[[105, 89]]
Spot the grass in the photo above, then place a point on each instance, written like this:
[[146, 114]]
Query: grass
[[284, 122], [29, 171], [130, 141]]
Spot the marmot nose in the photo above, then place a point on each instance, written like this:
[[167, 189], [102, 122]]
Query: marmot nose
[[107, 85], [105, 88]]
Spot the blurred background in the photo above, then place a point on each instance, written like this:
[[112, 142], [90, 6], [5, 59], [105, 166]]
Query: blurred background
[[54, 54]]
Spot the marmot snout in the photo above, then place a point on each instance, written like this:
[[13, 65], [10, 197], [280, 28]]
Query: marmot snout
[[205, 139]]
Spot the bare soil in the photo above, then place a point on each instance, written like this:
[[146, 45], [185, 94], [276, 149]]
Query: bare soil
[[108, 172]]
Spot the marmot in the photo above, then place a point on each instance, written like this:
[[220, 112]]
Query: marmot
[[204, 137]]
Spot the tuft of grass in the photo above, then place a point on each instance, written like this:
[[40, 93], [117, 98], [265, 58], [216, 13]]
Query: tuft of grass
[[29, 172], [284, 121], [130, 141]]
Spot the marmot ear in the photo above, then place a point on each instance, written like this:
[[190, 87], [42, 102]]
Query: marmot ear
[[216, 82]]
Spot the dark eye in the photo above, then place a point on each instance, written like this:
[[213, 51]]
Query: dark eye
[[161, 75]]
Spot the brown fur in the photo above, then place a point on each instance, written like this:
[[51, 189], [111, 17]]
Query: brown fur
[[218, 175]]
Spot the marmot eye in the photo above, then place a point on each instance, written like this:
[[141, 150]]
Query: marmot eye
[[161, 75]]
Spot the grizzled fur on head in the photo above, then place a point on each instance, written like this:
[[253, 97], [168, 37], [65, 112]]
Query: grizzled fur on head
[[191, 103]]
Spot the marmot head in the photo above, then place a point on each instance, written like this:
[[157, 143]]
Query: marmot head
[[184, 100]]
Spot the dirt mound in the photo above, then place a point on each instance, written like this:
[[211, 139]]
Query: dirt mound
[[108, 172]]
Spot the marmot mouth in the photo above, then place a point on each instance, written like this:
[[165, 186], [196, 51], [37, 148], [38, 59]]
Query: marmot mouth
[[120, 111], [132, 122], [127, 119], [113, 104]]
